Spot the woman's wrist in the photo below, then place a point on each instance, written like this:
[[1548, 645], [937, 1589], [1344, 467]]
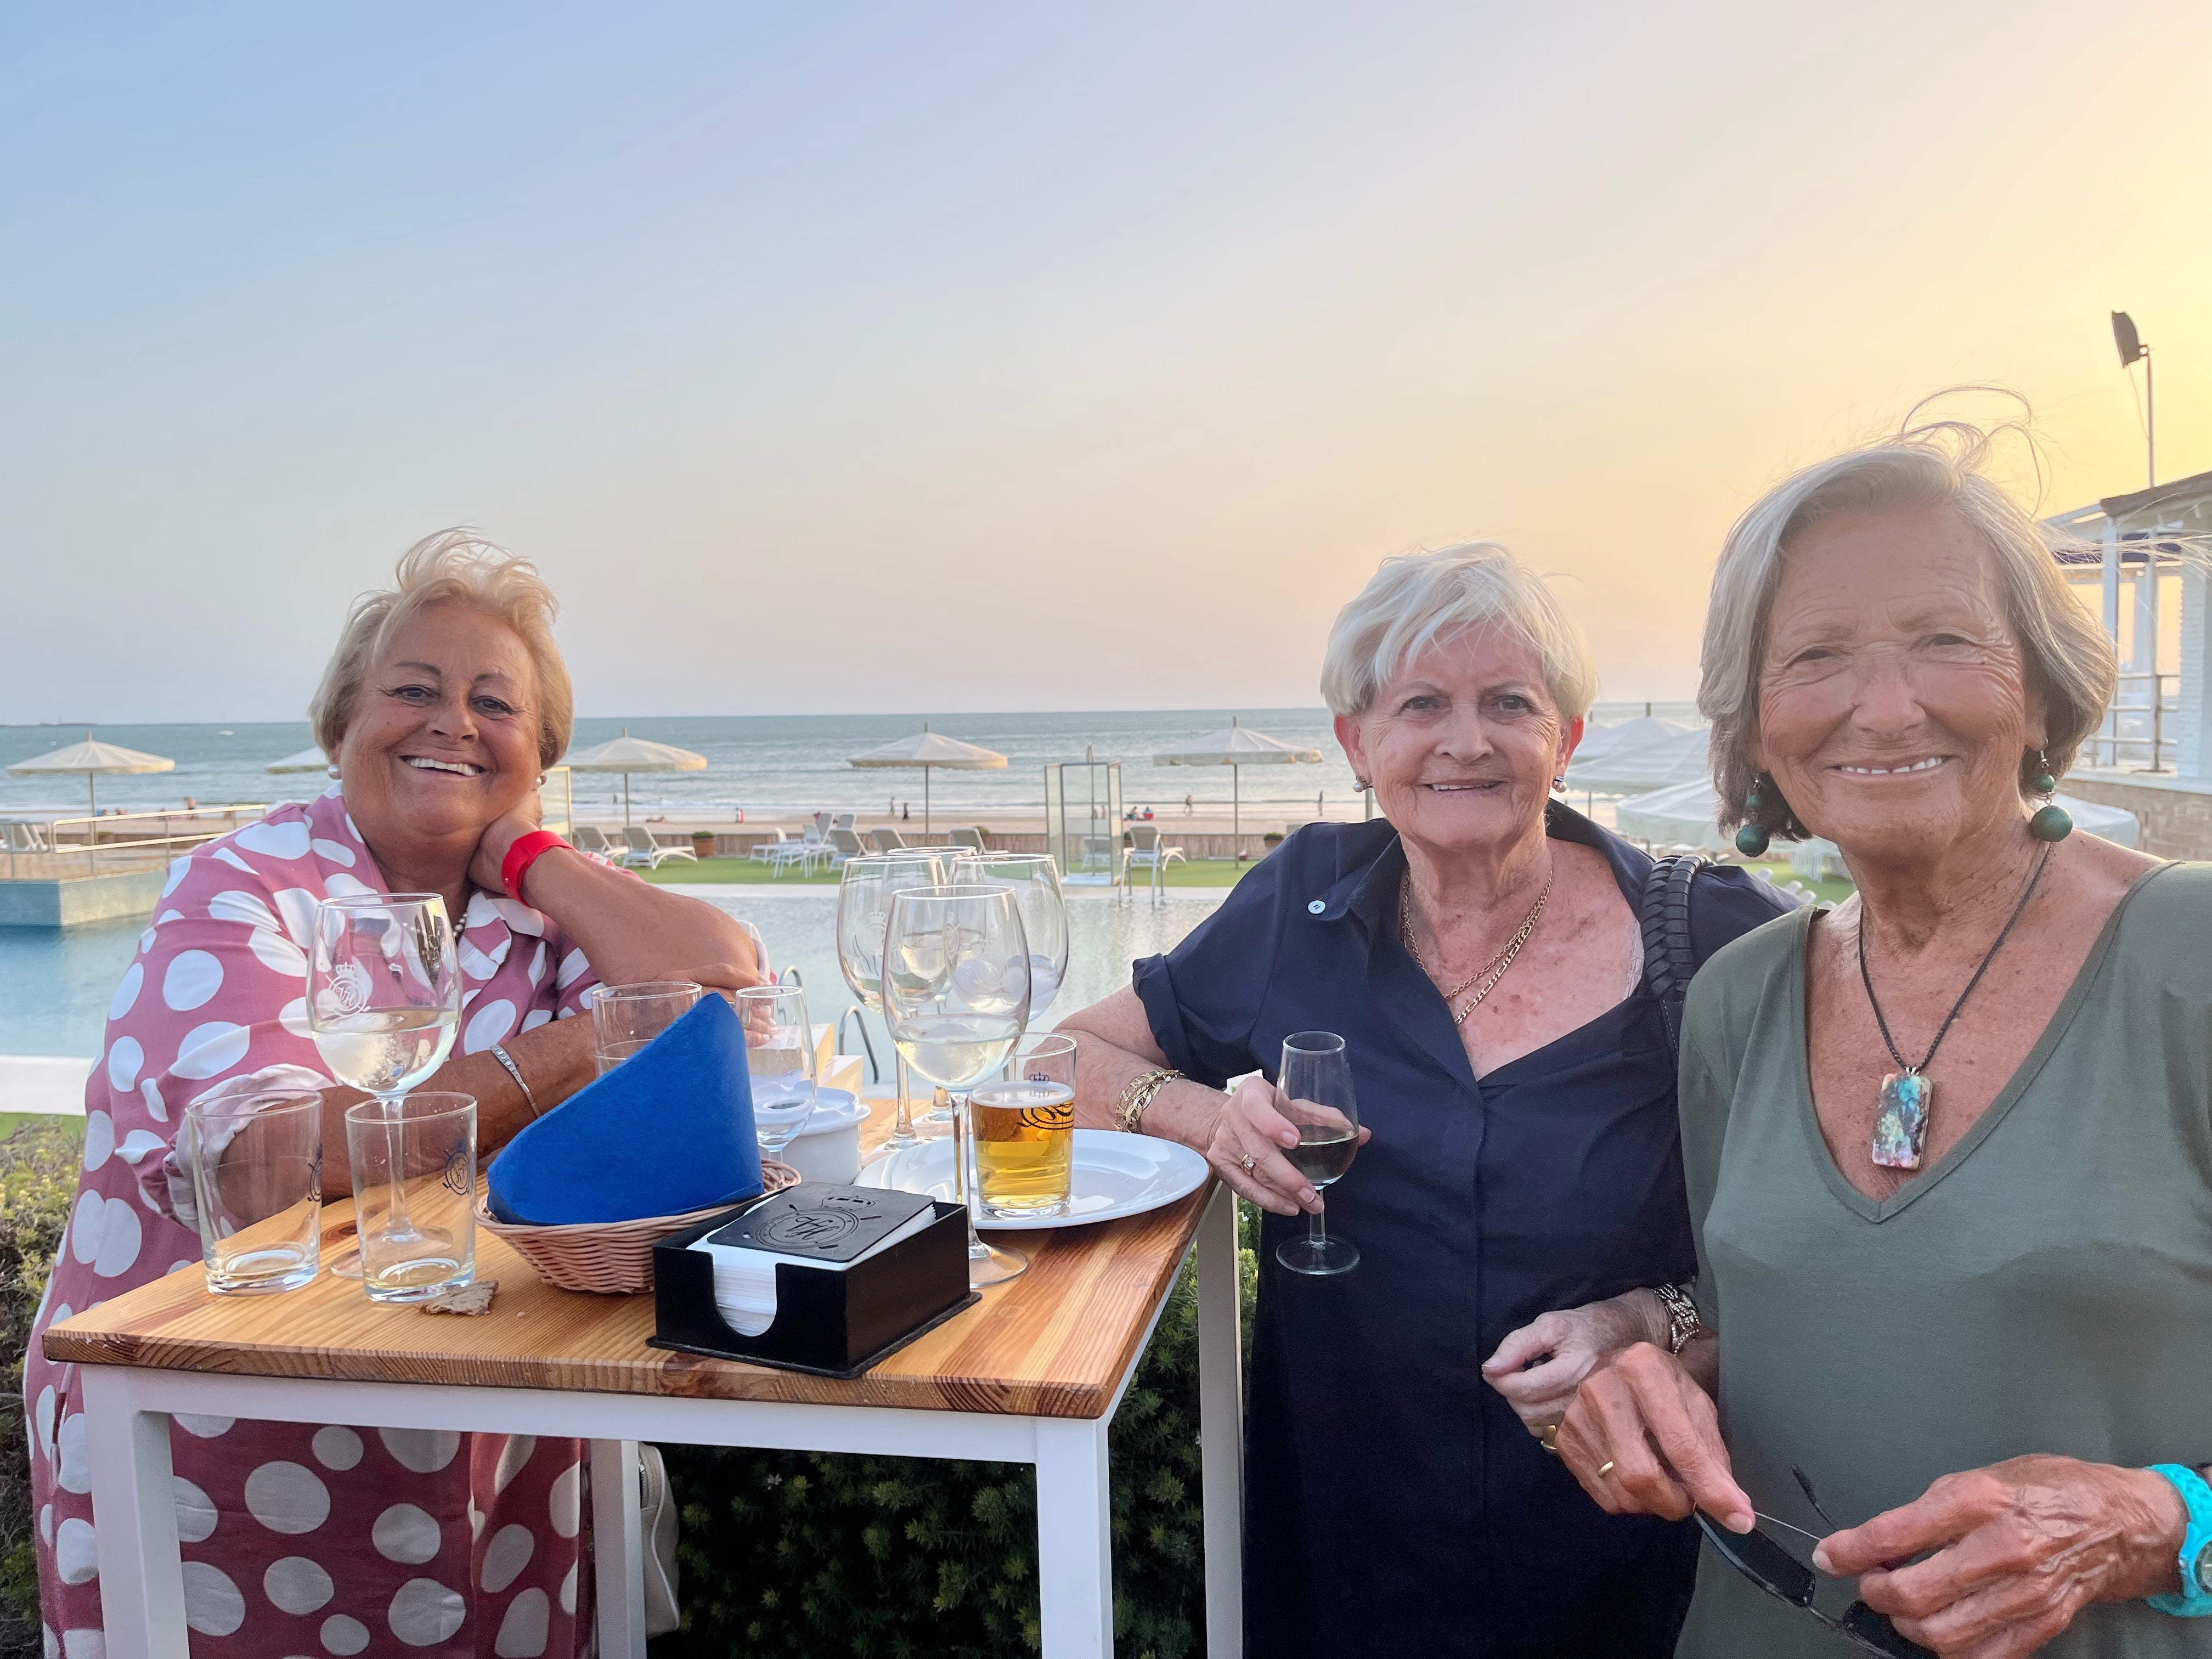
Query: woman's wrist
[[2153, 1523], [1185, 1112]]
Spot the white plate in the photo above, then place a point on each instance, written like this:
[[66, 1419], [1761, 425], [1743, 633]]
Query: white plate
[[1116, 1174]]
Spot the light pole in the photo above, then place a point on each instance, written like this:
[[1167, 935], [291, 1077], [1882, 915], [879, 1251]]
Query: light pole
[[2132, 347]]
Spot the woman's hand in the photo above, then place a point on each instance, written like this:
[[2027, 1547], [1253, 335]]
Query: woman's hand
[[2021, 1548], [1246, 1150], [1649, 1424], [499, 835], [1538, 1368]]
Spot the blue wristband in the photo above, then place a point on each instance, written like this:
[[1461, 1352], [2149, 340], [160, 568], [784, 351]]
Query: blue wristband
[[2195, 1601]]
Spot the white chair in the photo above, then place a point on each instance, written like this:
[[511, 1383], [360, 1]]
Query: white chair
[[640, 847], [844, 821], [887, 840], [797, 855], [971, 839], [764, 851], [590, 838], [1146, 851], [844, 844]]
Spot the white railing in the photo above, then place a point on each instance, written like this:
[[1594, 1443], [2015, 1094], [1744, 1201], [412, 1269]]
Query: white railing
[[54, 849], [2133, 735]]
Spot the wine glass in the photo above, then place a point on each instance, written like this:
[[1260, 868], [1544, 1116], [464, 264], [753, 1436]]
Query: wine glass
[[863, 896], [1316, 1086], [956, 991], [1035, 877], [384, 1003], [779, 1059]]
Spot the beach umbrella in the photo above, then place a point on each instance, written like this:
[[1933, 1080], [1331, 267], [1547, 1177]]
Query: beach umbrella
[[1635, 767], [310, 759], [96, 760], [1600, 740], [1236, 748], [929, 750], [626, 754], [1688, 815]]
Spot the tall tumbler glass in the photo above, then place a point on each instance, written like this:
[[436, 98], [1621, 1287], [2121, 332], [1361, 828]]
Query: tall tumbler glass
[[257, 1167], [779, 1061], [626, 1018], [414, 1192]]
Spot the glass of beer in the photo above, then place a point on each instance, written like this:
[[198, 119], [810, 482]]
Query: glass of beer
[[1024, 1128]]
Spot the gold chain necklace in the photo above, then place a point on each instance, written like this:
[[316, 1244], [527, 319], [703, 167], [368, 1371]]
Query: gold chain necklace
[[1491, 972]]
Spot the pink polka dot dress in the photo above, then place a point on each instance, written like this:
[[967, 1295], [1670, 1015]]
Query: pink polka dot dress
[[297, 1540]]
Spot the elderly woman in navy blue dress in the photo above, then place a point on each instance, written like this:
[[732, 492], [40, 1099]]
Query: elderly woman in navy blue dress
[[1517, 1201]]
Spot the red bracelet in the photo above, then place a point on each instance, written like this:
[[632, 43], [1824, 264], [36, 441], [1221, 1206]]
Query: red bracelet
[[525, 852]]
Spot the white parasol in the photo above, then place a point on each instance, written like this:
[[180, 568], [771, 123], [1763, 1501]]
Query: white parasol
[[1688, 815], [96, 760], [310, 759], [930, 749], [1236, 748], [626, 754]]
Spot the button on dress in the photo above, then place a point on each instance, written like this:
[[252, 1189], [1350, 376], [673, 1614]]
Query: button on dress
[[1394, 1504], [298, 1538]]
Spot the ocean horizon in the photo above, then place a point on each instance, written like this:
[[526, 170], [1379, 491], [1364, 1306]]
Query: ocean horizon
[[764, 764]]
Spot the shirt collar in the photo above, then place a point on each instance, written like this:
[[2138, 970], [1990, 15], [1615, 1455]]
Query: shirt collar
[[1369, 892]]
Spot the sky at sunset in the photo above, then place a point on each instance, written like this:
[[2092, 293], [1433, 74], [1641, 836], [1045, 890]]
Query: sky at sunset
[[960, 357]]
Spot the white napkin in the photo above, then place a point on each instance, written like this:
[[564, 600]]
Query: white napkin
[[745, 1280]]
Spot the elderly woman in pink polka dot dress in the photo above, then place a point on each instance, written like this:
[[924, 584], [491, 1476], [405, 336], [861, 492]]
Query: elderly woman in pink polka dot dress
[[445, 700]]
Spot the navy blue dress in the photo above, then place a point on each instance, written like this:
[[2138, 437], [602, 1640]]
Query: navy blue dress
[[1394, 1503]]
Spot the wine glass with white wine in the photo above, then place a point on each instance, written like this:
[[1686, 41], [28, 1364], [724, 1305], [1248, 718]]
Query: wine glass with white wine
[[864, 897], [384, 1003], [1315, 1082], [956, 991]]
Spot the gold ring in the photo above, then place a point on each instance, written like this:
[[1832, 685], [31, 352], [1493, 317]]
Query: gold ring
[[1605, 1469], [1550, 1435], [1248, 1163]]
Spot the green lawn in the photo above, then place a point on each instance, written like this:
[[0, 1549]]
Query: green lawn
[[12, 1122]]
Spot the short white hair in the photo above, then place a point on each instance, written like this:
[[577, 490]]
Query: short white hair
[[1939, 467], [1416, 600], [455, 566]]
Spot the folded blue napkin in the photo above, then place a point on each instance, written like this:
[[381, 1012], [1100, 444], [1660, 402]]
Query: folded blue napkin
[[670, 1129]]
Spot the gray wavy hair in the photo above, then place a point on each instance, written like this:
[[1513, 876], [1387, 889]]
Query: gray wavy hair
[[1417, 599], [1939, 466], [455, 566]]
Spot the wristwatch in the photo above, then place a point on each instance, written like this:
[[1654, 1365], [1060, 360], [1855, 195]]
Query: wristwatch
[[1682, 1320], [2195, 1601]]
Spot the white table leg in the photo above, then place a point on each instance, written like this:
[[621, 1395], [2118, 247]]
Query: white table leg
[[1221, 1424], [134, 1519], [617, 1547], [1075, 1560]]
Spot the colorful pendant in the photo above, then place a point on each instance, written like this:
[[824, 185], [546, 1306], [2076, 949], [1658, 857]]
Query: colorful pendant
[[1900, 1124]]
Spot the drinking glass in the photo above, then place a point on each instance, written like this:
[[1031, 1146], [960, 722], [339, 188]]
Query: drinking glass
[[956, 990], [625, 1018], [1316, 1086], [780, 1059], [384, 998], [863, 896], [257, 1168], [414, 1192], [1035, 877], [1024, 1127]]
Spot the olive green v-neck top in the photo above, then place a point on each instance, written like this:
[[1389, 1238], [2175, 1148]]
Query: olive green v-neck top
[[2044, 1286]]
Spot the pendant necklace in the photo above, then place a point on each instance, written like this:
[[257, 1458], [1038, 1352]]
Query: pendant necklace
[[1900, 1119], [1491, 972]]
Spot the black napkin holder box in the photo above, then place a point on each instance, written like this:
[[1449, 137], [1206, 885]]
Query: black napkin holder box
[[831, 1322]]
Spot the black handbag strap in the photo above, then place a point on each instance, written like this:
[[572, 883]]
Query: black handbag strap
[[1670, 957]]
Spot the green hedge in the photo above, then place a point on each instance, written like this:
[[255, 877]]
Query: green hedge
[[817, 1554], [797, 1553], [37, 1182]]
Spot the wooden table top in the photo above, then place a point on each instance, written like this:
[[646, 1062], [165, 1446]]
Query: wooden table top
[[1054, 1342]]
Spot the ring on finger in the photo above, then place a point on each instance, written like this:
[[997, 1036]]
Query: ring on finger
[[1247, 1162], [1605, 1469], [1548, 1439]]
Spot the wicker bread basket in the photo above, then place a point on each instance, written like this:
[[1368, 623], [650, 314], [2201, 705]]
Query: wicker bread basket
[[611, 1258]]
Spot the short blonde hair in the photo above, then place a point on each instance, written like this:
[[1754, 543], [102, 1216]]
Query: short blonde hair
[[455, 566], [1417, 599], [1938, 467]]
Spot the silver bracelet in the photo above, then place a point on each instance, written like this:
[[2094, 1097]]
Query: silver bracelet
[[515, 1072]]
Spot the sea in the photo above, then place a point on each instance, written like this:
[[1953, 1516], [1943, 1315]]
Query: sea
[[55, 985]]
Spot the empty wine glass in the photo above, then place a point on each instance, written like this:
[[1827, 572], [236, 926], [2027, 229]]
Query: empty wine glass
[[384, 1002], [1316, 1086], [956, 990], [1035, 877], [863, 896], [780, 1061]]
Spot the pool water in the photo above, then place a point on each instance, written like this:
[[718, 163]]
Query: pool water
[[55, 984]]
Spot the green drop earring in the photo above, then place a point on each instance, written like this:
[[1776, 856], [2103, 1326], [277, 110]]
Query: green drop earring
[[1753, 839], [2051, 822]]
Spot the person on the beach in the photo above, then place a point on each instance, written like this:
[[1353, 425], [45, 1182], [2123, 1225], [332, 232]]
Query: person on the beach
[[1985, 1350], [1479, 950], [445, 700]]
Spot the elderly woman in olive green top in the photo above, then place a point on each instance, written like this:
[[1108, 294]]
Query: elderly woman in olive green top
[[1949, 1144]]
